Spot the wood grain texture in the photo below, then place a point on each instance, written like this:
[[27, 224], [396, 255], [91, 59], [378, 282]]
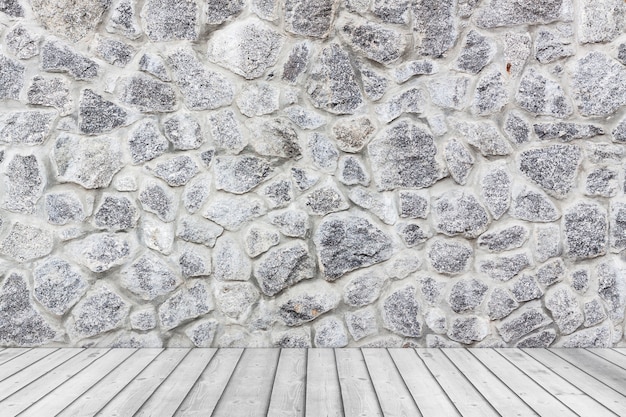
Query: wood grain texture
[[21, 362], [323, 394], [357, 391], [607, 372], [288, 394]]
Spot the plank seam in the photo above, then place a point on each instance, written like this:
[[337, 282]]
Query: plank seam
[[27, 366], [269, 401], [16, 356], [604, 359], [195, 383], [217, 403], [395, 365]]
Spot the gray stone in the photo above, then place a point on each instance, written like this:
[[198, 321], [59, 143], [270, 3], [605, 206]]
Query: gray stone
[[554, 167], [306, 302], [332, 84], [533, 205], [68, 18], [115, 213], [58, 285], [293, 339], [612, 289], [346, 242], [431, 290], [580, 280], [279, 192], [363, 289], [175, 171], [232, 212], [412, 234], [586, 230], [323, 152], [265, 9], [542, 96], [401, 312], [485, 137], [434, 341], [330, 333], [378, 204], [436, 320], [504, 239], [59, 57], [617, 227], [551, 45], [154, 65], [24, 184], [305, 118], [604, 152], [100, 311], [275, 137], [491, 94], [598, 84], [230, 263], [258, 240], [404, 156], [114, 52], [149, 277], [123, 20], [170, 20], [352, 134], [475, 54], [409, 101], [325, 199], [600, 21], [413, 204], [361, 323], [602, 182], [12, 8], [373, 40], [157, 235], [148, 95], [201, 89], [195, 261], [226, 131], [196, 193], [501, 303], [459, 160], [312, 18], [374, 83], [184, 131], [156, 198], [566, 132], [505, 13], [525, 288], [191, 301], [62, 208], [392, 11], [102, 251], [505, 267], [563, 304], [352, 171], [22, 43], [404, 72], [291, 222], [146, 142], [143, 319], [131, 340], [449, 92], [517, 128], [25, 243], [523, 322], [296, 62], [98, 115], [467, 294], [450, 256], [257, 99], [468, 329], [207, 157], [516, 52], [594, 337], [459, 213], [284, 266], [235, 299], [11, 78], [539, 340], [217, 12], [304, 179], [51, 92], [594, 312], [547, 242], [26, 127], [435, 26]]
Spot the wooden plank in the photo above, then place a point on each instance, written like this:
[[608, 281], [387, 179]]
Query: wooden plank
[[33, 392], [128, 401], [534, 395], [611, 356], [96, 397], [357, 391], [611, 375], [560, 388], [10, 353], [393, 395], [428, 394], [55, 401], [250, 388], [620, 350], [289, 385], [22, 361], [323, 394], [203, 397], [505, 401], [171, 393], [468, 401], [34, 371]]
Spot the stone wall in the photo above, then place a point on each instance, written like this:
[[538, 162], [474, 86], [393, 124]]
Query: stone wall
[[312, 173]]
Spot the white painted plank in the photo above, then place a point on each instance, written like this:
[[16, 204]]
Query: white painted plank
[[289, 385], [22, 361], [357, 391], [611, 375], [323, 394], [11, 353], [610, 355]]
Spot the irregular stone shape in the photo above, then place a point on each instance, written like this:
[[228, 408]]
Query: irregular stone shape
[[450, 256], [539, 340], [586, 230], [595, 337], [526, 288], [144, 319], [279, 192], [563, 304], [59, 57], [175, 171], [258, 99], [346, 242], [617, 228], [504, 239], [485, 137], [533, 205], [602, 182], [542, 96], [25, 243], [292, 223], [195, 261], [547, 242], [229, 261], [435, 27], [374, 41], [409, 101], [11, 78], [459, 160], [115, 213], [131, 340], [306, 302], [22, 43], [413, 204], [468, 329], [374, 84], [196, 193], [598, 85], [101, 310], [517, 128], [158, 199], [392, 11], [401, 312], [26, 127], [491, 94], [293, 339], [551, 272], [201, 89], [146, 142], [600, 21], [431, 290], [149, 277], [62, 208], [123, 20], [202, 332], [157, 235], [456, 212], [12, 8], [378, 204], [475, 54], [436, 320], [51, 92], [226, 131], [594, 313], [551, 45], [352, 134], [326, 199], [98, 115], [233, 212], [114, 52], [412, 234], [71, 19], [501, 303], [467, 294], [304, 179], [566, 132], [323, 152], [235, 299], [504, 13], [363, 289], [218, 12], [312, 18], [449, 92], [258, 47], [297, 62], [516, 51], [352, 171], [190, 301], [102, 251], [505, 267], [361, 323], [612, 289], [275, 137], [265, 9], [523, 322], [184, 131], [58, 285], [330, 333], [148, 95], [404, 156], [283, 266], [24, 184], [554, 167], [258, 240], [332, 82], [170, 20]]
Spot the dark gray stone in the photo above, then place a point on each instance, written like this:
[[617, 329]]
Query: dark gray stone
[[467, 294], [412, 234], [409, 101], [450, 256], [459, 213], [154, 65], [156, 198], [517, 128], [551, 45], [501, 303], [146, 142], [525, 288], [149, 277], [196, 193], [431, 290], [612, 289], [217, 12], [25, 243], [352, 171], [542, 96], [143, 319], [435, 26], [330, 333], [102, 251], [59, 57], [275, 137], [198, 230], [100, 311], [51, 92], [401, 312], [475, 54], [602, 182], [459, 160], [283, 266], [505, 13], [505, 267], [594, 312], [404, 72], [523, 322], [600, 21], [175, 171], [191, 301], [539, 340], [361, 323], [184, 131], [352, 134], [374, 83], [232, 212], [98, 115], [114, 52], [296, 62], [279, 192], [594, 337], [62, 208], [58, 285], [170, 20], [202, 332], [226, 131], [12, 8], [554, 167], [115, 213], [599, 85], [468, 329], [363, 289], [373, 40], [24, 181], [292, 222], [580, 280], [299, 338], [306, 302], [563, 304], [195, 261], [11, 78], [566, 132], [533, 205], [325, 199], [617, 227], [504, 239], [123, 20], [413, 204], [491, 94], [304, 179], [22, 43], [392, 11], [148, 95], [586, 230], [312, 18]]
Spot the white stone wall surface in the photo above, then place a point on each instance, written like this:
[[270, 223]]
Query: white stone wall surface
[[312, 173]]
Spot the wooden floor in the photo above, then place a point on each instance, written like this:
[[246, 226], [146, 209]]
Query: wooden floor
[[315, 382]]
